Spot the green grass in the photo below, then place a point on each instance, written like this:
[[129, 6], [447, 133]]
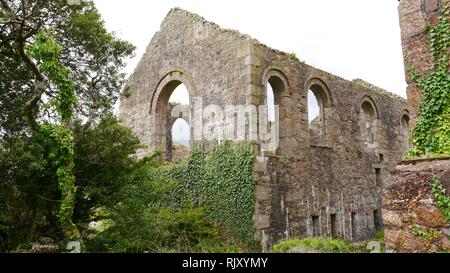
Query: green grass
[[379, 235], [317, 243]]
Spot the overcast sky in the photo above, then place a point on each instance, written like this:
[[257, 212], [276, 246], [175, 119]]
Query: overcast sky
[[349, 38]]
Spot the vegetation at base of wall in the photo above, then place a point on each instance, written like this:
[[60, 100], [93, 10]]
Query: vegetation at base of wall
[[140, 222], [431, 135], [203, 205], [379, 235], [222, 182], [441, 198], [319, 244]]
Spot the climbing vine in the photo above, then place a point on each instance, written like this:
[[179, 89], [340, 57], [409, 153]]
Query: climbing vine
[[431, 135], [441, 199], [58, 135], [223, 183]]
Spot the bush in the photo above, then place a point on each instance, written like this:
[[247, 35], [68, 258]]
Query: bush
[[204, 205], [103, 159], [316, 243], [29, 196], [142, 222]]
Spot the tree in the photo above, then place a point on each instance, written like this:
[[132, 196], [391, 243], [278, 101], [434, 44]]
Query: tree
[[61, 66], [94, 56]]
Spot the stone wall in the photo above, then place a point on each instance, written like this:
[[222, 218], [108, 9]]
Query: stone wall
[[409, 207], [323, 183], [415, 15]]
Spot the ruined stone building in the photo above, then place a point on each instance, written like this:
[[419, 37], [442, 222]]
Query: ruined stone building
[[408, 201], [325, 178], [414, 16]]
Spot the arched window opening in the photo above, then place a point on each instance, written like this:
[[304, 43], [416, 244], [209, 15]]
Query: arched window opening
[[313, 108], [405, 126], [369, 117], [180, 140], [275, 99], [172, 121], [270, 103], [318, 101], [276, 87], [180, 95], [404, 131]]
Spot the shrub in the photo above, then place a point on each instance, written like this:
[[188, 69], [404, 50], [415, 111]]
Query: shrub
[[316, 243]]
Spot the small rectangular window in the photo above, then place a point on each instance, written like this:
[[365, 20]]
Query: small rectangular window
[[378, 177], [316, 226], [354, 225], [333, 225], [377, 222]]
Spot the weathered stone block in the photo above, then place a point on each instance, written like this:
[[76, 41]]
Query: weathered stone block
[[391, 218], [409, 194], [430, 216], [431, 5]]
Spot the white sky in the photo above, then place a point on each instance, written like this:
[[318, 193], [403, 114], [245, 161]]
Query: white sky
[[349, 38]]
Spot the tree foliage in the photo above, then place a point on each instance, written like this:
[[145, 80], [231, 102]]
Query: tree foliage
[[30, 198], [94, 56], [61, 66]]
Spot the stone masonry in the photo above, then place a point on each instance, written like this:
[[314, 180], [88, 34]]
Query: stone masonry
[[409, 207], [413, 223], [326, 180], [415, 15]]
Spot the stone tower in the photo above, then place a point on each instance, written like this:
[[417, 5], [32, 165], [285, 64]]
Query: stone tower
[[415, 15], [408, 200]]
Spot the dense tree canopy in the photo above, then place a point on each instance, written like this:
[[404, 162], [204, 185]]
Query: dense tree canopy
[[94, 56]]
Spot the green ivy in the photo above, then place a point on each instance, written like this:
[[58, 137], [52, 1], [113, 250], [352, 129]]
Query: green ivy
[[59, 136], [222, 182], [441, 199], [431, 135], [47, 51], [425, 234]]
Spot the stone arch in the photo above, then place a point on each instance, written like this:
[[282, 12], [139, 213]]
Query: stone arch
[[321, 91], [369, 101], [175, 76], [161, 110], [276, 79], [318, 128], [405, 127], [369, 121], [274, 73]]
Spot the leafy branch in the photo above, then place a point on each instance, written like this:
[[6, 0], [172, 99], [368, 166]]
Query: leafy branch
[[441, 199]]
